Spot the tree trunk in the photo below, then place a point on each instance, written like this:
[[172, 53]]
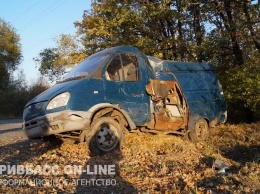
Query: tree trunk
[[230, 26], [179, 26], [197, 30], [249, 25]]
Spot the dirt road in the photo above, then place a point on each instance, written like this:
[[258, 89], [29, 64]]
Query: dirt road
[[11, 131]]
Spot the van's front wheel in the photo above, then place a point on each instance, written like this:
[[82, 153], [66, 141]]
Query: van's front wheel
[[200, 131], [106, 136]]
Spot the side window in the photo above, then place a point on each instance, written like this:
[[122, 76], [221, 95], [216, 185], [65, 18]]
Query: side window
[[130, 67], [114, 70], [126, 69]]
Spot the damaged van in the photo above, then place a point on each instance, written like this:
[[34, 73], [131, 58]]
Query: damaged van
[[120, 89]]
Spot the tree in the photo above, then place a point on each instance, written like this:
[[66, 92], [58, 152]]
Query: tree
[[46, 61], [37, 87], [236, 56], [224, 33], [54, 62], [13, 100], [10, 52], [70, 50], [163, 28]]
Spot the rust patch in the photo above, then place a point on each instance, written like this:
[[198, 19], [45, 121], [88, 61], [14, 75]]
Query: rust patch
[[163, 122], [159, 89], [170, 107]]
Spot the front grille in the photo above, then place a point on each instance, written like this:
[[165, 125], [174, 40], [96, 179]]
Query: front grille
[[31, 123], [39, 122]]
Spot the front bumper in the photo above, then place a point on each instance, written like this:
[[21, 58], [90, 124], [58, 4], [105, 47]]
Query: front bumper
[[56, 123]]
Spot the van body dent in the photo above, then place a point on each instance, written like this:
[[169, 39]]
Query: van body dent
[[121, 89]]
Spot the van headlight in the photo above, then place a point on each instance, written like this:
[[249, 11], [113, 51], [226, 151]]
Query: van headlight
[[59, 101]]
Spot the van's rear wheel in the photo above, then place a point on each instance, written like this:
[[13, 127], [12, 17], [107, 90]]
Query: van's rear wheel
[[200, 131], [106, 136]]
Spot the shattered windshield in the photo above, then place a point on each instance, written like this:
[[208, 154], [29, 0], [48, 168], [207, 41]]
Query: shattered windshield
[[87, 67]]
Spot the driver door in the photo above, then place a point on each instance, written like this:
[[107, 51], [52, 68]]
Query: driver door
[[124, 86]]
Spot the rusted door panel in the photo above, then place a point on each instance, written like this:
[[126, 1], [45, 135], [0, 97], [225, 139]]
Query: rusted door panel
[[170, 107]]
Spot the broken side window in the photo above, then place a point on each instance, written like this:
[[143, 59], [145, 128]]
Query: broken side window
[[114, 70], [130, 67], [123, 67]]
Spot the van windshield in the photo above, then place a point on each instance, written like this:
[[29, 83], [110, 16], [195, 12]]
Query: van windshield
[[87, 67]]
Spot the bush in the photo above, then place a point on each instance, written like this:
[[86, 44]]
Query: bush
[[14, 99]]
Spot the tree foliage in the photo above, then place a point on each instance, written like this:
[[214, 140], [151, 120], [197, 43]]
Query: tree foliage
[[19, 93], [48, 66], [53, 62], [10, 53], [14, 92], [224, 33]]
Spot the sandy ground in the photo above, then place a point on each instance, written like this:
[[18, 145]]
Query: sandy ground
[[11, 132]]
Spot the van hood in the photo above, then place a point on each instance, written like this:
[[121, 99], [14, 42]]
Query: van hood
[[54, 91]]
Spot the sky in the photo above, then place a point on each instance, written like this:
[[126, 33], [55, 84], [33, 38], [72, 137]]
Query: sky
[[38, 22]]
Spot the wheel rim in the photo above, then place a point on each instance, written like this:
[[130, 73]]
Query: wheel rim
[[201, 130], [106, 138]]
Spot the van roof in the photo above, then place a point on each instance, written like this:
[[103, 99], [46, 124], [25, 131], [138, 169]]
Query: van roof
[[164, 65], [186, 66]]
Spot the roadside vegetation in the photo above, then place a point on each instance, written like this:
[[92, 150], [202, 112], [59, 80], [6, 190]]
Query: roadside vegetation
[[14, 98], [15, 92]]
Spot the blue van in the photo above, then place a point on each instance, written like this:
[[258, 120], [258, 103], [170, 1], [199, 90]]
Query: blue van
[[120, 89]]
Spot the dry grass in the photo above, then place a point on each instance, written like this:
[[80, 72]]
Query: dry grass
[[152, 163]]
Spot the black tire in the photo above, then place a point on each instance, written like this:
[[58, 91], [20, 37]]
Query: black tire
[[106, 136], [200, 131]]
